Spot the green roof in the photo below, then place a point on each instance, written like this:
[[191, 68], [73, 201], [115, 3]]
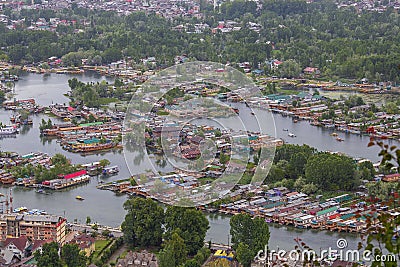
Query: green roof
[[302, 94], [318, 97], [91, 124], [278, 97], [272, 205], [347, 216], [326, 211], [91, 141]]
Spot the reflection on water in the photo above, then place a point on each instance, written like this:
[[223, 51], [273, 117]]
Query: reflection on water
[[282, 237], [106, 208]]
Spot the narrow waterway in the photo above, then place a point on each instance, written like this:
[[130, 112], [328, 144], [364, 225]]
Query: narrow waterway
[[105, 207]]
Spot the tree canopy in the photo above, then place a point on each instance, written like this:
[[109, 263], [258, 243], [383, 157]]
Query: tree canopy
[[189, 223], [331, 172], [249, 236], [143, 222], [49, 256]]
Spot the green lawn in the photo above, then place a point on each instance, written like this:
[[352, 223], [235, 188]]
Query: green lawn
[[99, 246], [162, 113], [107, 100]]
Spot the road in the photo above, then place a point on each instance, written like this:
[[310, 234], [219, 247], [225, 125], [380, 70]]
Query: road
[[82, 227]]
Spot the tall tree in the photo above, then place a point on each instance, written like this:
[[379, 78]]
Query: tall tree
[[331, 172], [174, 254], [191, 223], [49, 256], [244, 255], [143, 223], [72, 256], [249, 235]]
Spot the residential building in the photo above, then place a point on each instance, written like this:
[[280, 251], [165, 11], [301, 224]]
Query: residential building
[[138, 259], [34, 227], [85, 242]]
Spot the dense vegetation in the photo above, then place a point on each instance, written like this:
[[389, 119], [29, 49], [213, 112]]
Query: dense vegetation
[[70, 256], [94, 95], [340, 42], [249, 236], [180, 231], [60, 163], [304, 168]]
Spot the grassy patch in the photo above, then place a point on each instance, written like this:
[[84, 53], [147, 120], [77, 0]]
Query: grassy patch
[[162, 113], [123, 254], [204, 180], [107, 100], [99, 246]]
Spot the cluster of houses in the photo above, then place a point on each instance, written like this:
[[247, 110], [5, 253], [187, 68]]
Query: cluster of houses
[[165, 8], [368, 5], [168, 9], [138, 259], [19, 251], [312, 107]]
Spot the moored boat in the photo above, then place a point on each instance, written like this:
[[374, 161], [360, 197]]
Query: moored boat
[[110, 170], [8, 130]]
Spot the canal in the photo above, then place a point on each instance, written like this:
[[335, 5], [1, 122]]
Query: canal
[[105, 207]]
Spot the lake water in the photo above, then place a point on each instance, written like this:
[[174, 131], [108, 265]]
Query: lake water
[[105, 207]]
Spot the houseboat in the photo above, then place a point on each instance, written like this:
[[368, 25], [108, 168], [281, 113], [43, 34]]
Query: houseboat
[[8, 130], [304, 221], [110, 170]]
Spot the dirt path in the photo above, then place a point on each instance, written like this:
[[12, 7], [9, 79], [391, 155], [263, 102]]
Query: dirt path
[[116, 254]]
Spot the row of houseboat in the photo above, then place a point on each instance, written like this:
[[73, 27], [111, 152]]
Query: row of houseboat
[[296, 209]]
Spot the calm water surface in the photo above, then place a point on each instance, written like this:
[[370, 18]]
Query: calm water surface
[[105, 207]]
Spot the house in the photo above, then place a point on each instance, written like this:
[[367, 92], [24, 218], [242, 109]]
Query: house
[[7, 258], [310, 70], [85, 242], [391, 178], [13, 250], [138, 259], [38, 245]]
